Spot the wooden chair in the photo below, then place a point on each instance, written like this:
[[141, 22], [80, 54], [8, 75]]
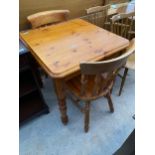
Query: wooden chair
[[98, 15], [116, 1], [129, 65], [47, 17], [96, 80], [123, 24]]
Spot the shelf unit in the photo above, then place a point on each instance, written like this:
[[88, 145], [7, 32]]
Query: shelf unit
[[31, 101], [26, 83]]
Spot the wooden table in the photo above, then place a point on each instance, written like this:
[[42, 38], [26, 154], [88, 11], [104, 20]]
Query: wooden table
[[60, 48], [122, 8]]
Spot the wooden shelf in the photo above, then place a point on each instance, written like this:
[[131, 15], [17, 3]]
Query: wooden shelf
[[31, 101], [24, 62], [31, 105], [24, 68], [26, 83]]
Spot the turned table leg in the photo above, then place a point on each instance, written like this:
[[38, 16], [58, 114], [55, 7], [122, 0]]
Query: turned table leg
[[59, 89]]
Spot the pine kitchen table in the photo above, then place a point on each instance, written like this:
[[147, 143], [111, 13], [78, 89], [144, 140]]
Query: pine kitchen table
[[60, 48]]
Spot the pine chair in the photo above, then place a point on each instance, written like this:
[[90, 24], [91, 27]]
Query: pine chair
[[47, 17], [98, 15], [96, 80], [116, 1], [123, 24], [129, 65]]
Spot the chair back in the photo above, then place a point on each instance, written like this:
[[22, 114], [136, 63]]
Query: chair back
[[116, 1], [97, 15], [123, 24], [103, 73], [47, 17]]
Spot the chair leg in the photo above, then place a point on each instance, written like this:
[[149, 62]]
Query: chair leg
[[86, 113], [111, 107], [123, 80], [112, 87]]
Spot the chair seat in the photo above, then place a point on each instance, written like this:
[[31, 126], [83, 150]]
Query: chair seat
[[74, 86], [131, 62]]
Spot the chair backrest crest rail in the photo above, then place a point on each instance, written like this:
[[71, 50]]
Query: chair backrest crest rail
[[103, 73], [47, 17]]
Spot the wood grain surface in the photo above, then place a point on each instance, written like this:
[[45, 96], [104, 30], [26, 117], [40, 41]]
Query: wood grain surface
[[60, 48]]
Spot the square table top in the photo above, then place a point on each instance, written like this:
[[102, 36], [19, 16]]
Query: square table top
[[60, 48]]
